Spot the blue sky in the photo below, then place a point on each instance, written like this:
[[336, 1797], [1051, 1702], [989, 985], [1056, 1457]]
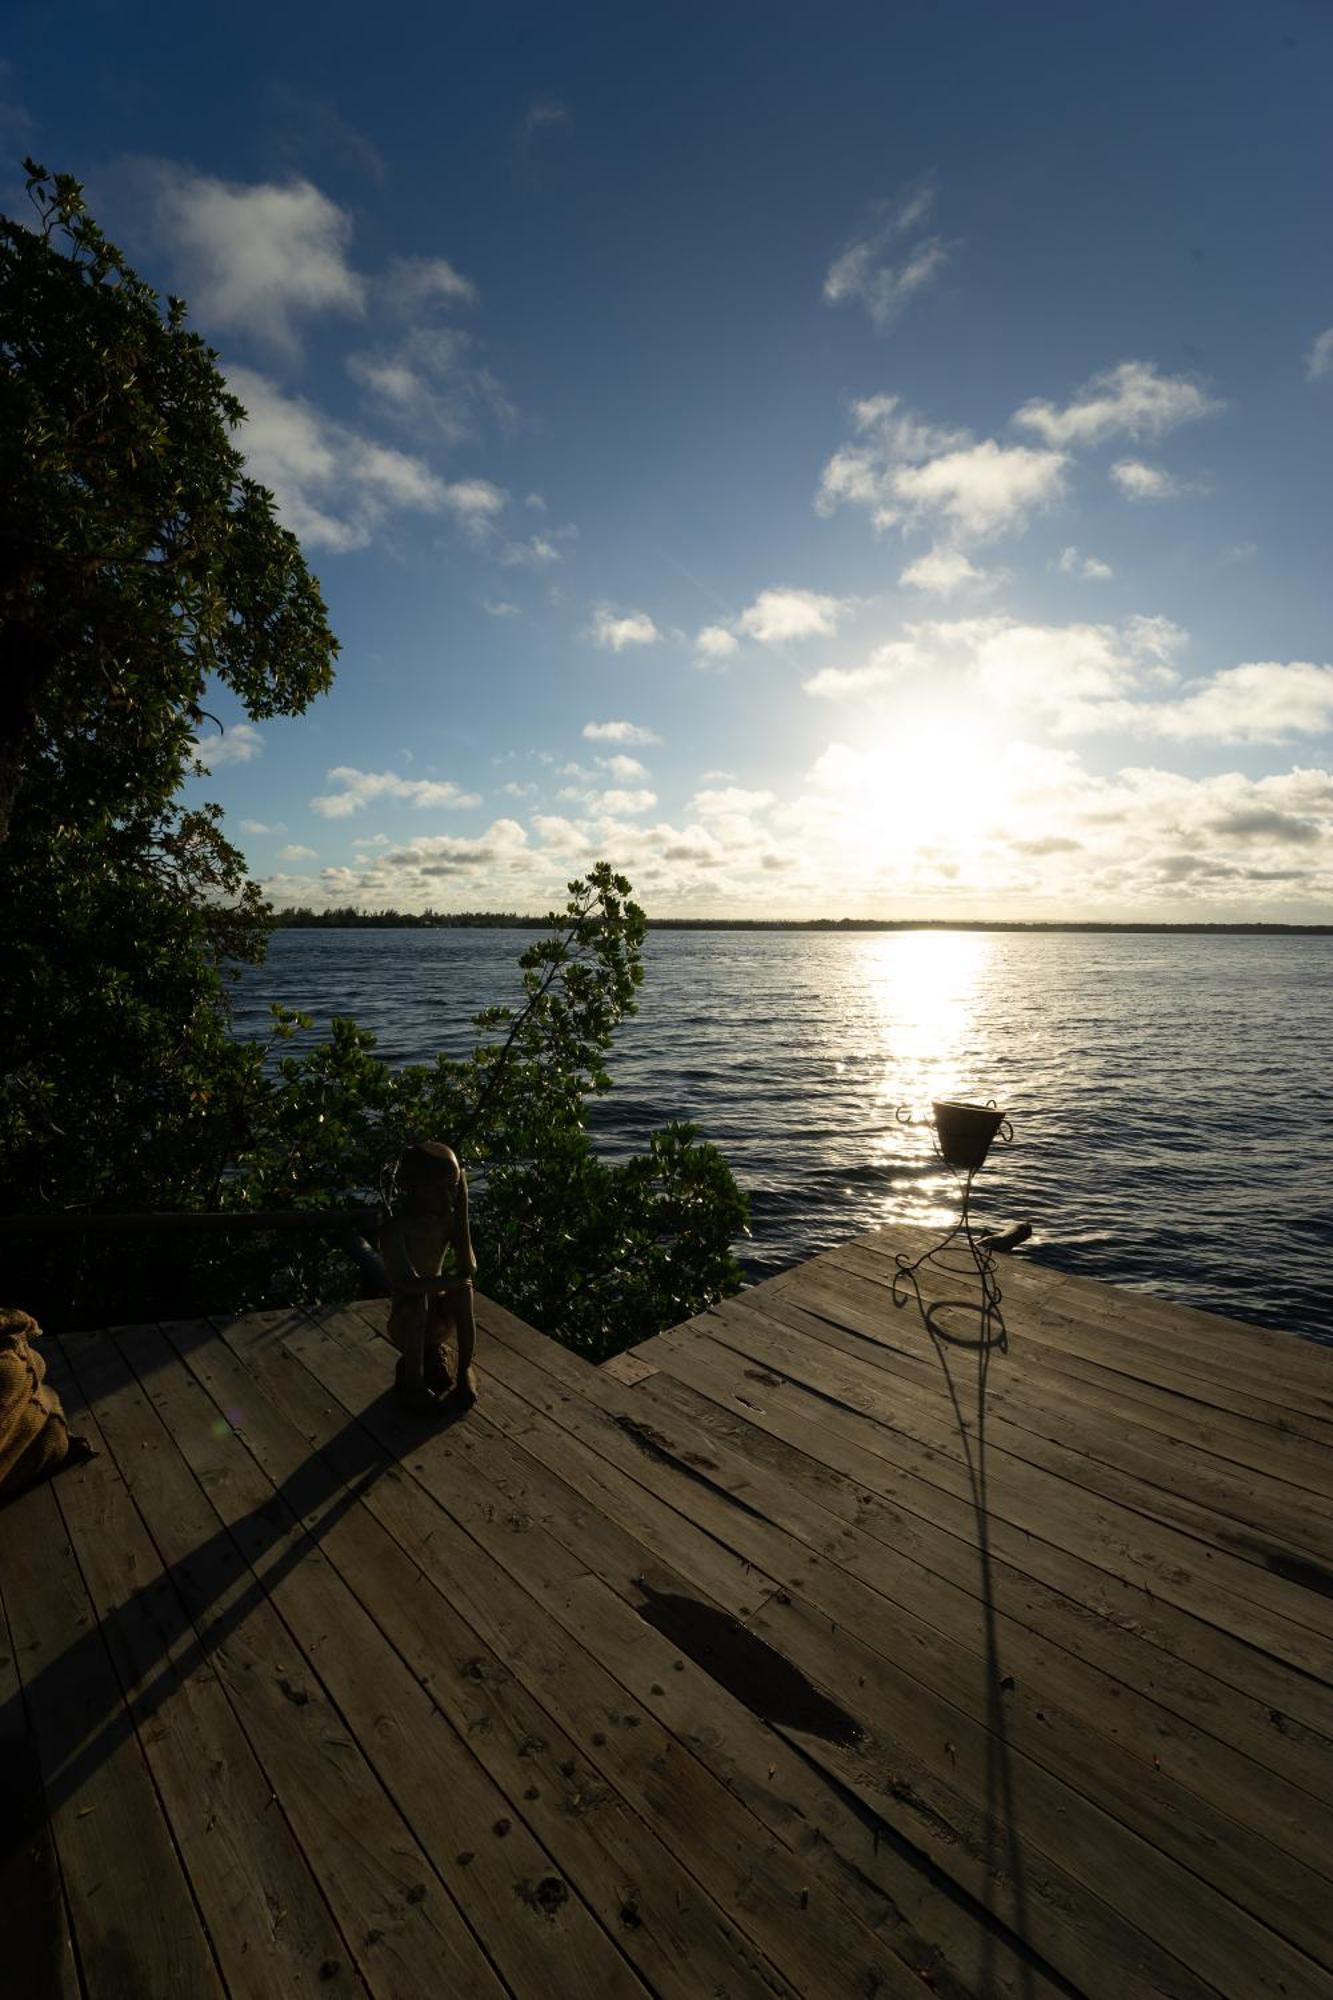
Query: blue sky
[[852, 460]]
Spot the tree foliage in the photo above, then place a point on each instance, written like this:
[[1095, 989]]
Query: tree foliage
[[139, 565]]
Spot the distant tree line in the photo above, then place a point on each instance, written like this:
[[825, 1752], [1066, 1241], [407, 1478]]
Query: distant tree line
[[303, 917]]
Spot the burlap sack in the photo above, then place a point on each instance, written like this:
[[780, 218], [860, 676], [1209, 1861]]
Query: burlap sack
[[34, 1436]]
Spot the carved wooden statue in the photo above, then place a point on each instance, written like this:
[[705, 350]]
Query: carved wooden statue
[[427, 1250]]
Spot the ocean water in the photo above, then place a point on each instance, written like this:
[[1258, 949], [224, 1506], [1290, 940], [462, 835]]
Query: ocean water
[[1171, 1096]]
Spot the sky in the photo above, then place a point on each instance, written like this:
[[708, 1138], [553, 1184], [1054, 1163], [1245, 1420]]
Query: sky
[[860, 460]]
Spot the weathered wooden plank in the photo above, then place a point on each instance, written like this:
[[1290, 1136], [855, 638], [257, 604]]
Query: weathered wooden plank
[[1248, 1513], [944, 1658], [666, 1922], [1195, 1723], [1225, 1591], [799, 1903], [264, 1910], [365, 1855], [955, 1822], [539, 1940], [1259, 1444], [1173, 1323], [1193, 1668], [1105, 1324], [136, 1928], [943, 1579], [36, 1945]]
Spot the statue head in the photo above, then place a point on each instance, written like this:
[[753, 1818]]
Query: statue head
[[427, 1178]]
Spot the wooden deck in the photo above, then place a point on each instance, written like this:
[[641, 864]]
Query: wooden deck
[[753, 1663]]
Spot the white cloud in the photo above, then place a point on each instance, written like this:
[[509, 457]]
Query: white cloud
[[430, 381], [356, 789], [500, 608], [1071, 563], [1133, 400], [476, 504], [1262, 701], [1073, 676], [981, 489], [943, 570], [911, 474], [1319, 361], [1138, 481], [618, 732], [617, 629], [625, 770], [411, 282], [261, 826], [890, 262], [539, 551], [715, 642], [296, 853], [333, 485], [886, 664], [618, 801], [729, 801], [1094, 679], [240, 744], [255, 258], [779, 617]]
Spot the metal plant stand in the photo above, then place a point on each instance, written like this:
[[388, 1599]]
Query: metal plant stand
[[963, 1135]]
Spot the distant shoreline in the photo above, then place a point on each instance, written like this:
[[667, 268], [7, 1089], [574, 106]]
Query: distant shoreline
[[506, 920]]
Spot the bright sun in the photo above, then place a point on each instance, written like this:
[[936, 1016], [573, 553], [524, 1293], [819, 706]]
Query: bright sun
[[937, 785]]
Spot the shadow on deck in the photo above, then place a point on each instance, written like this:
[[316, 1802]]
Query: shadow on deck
[[796, 1651]]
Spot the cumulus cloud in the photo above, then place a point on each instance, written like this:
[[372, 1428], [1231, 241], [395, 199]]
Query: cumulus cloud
[[240, 744], [625, 770], [1138, 481], [886, 664], [333, 485], [1072, 563], [262, 826], [715, 642], [1074, 677], [887, 264], [911, 474], [730, 801], [1319, 361], [1133, 400], [615, 630], [1261, 701], [1085, 679], [618, 800], [356, 789], [619, 732], [500, 608], [941, 571], [257, 258], [296, 853], [780, 617]]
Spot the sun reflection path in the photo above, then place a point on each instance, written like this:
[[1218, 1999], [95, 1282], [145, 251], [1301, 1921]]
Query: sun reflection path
[[922, 991]]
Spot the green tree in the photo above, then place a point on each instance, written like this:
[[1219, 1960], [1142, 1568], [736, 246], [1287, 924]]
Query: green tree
[[139, 565]]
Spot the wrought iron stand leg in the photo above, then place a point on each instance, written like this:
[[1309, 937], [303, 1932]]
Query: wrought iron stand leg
[[907, 1272]]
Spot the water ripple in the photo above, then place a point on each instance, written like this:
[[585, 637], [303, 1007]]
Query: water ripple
[[1170, 1095]]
